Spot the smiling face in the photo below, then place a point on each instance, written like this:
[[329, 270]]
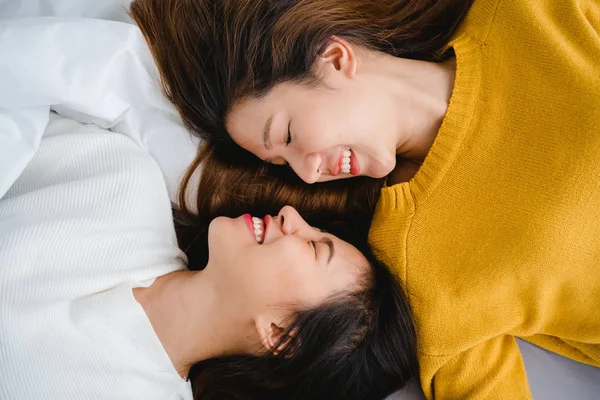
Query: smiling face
[[281, 262], [344, 126]]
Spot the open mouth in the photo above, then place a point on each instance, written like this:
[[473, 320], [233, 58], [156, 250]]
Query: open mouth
[[259, 229], [345, 160], [347, 163]]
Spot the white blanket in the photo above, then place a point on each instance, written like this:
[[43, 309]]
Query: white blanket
[[89, 70]]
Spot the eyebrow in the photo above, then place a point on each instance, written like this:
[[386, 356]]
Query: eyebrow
[[331, 247], [267, 134]]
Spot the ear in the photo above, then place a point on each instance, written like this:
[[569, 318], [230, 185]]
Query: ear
[[339, 56], [270, 330]]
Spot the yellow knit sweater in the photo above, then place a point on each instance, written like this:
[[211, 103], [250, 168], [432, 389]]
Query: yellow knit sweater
[[497, 236]]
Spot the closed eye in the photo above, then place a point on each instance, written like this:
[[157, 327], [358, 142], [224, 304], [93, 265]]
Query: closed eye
[[289, 135], [271, 162], [314, 246]]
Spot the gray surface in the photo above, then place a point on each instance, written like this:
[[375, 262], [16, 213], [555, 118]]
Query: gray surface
[[551, 377]]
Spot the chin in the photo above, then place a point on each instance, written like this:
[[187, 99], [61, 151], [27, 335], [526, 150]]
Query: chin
[[381, 173], [223, 237], [381, 170], [216, 222], [217, 225], [379, 165]]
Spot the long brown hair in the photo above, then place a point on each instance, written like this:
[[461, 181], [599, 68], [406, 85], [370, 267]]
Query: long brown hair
[[212, 53], [357, 346]]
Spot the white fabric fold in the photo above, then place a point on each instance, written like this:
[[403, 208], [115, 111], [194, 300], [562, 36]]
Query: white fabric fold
[[90, 70]]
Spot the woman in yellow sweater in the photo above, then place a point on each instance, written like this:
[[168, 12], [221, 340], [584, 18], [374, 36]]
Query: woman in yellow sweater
[[484, 115]]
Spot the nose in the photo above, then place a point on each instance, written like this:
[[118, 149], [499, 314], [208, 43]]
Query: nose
[[308, 168], [290, 221]]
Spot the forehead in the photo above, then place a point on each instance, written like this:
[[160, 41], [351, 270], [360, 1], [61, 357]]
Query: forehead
[[248, 108], [244, 121]]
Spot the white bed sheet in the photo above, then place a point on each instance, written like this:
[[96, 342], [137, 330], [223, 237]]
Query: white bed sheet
[[112, 10], [89, 70], [98, 70]]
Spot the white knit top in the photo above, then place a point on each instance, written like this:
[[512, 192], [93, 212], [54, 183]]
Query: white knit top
[[88, 220]]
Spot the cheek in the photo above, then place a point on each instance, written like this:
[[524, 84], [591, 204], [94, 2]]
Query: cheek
[[287, 285], [303, 286], [366, 108], [287, 282], [228, 241], [321, 128], [366, 119], [314, 120], [350, 119]]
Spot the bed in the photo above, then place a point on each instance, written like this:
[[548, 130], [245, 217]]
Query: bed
[[85, 60]]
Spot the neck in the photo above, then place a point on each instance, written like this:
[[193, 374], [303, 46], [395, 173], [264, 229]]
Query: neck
[[426, 88], [187, 317]]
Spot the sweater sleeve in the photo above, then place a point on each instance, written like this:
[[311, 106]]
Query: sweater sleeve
[[491, 370]]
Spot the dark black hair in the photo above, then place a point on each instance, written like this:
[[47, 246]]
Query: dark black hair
[[359, 345]]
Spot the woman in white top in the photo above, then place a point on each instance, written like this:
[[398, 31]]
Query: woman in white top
[[96, 301]]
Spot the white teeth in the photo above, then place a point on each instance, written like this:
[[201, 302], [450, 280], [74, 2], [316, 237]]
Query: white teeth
[[345, 161], [258, 228]]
